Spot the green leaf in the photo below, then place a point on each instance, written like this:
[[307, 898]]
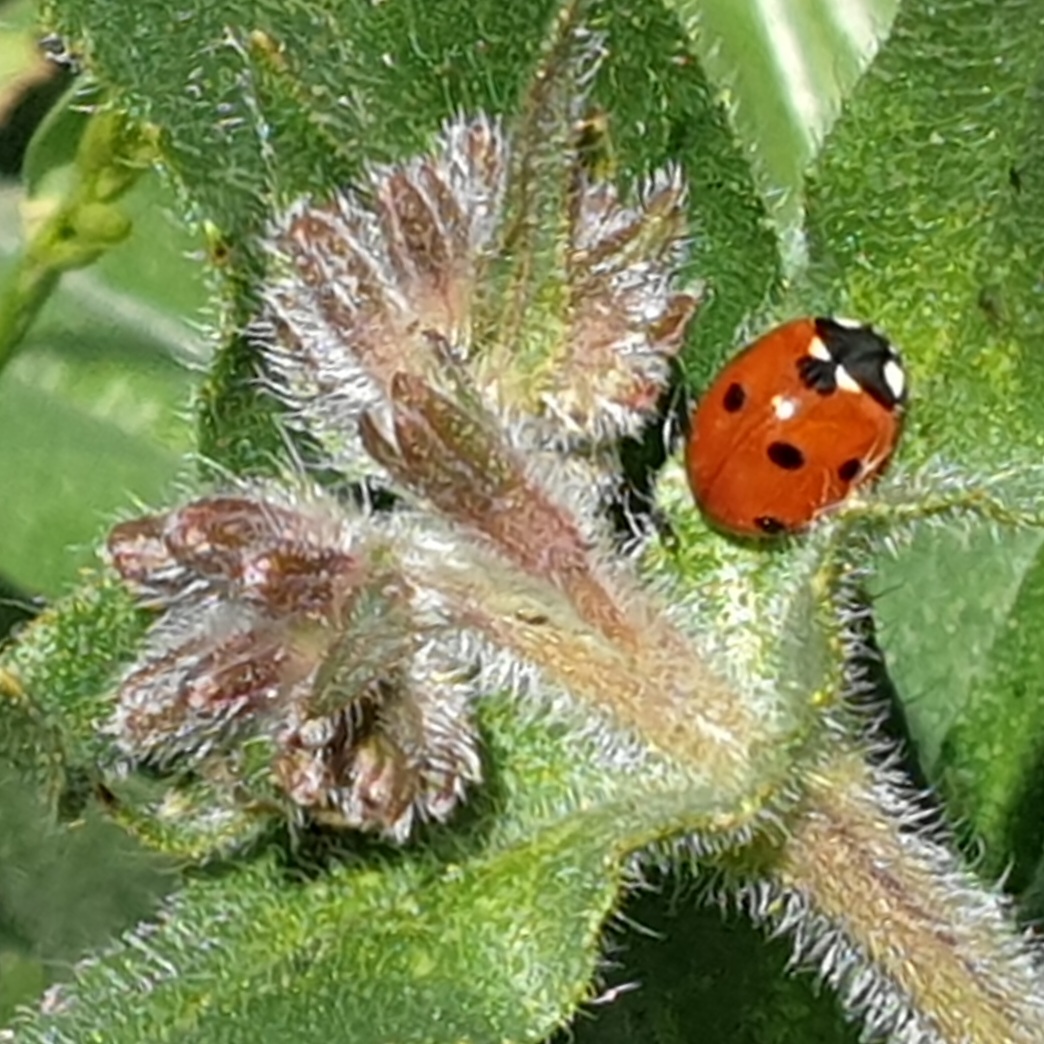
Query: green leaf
[[64, 888], [940, 636], [784, 71], [48, 169], [965, 656], [925, 215], [687, 975], [992, 763], [58, 678], [422, 964]]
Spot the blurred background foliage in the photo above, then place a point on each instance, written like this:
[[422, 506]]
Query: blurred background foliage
[[95, 408], [98, 409]]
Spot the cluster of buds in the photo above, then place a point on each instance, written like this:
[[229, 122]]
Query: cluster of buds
[[286, 623], [565, 334], [476, 328]]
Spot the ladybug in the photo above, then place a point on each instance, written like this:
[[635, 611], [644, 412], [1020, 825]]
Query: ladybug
[[793, 424]]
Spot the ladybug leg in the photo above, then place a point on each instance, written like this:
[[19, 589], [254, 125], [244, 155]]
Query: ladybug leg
[[631, 508], [664, 530]]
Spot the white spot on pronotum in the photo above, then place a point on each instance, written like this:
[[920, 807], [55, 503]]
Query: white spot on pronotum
[[895, 378], [783, 407], [848, 324], [818, 350], [845, 381]]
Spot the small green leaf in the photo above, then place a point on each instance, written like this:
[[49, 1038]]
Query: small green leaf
[[966, 658], [48, 166], [784, 70], [65, 888], [60, 674]]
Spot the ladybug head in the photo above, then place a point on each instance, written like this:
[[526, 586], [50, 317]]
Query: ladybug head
[[853, 357]]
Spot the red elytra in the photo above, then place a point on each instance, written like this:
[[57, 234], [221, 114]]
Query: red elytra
[[793, 424]]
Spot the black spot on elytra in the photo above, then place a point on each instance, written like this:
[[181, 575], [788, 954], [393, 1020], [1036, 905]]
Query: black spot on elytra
[[785, 455], [734, 398], [850, 469], [768, 524]]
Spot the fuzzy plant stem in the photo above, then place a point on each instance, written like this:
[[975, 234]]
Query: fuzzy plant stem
[[898, 926], [912, 940], [657, 690]]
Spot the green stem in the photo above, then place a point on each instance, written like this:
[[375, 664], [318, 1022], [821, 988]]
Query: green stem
[[21, 298], [84, 225]]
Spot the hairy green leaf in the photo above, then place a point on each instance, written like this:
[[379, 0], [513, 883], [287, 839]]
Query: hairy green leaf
[[926, 216]]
